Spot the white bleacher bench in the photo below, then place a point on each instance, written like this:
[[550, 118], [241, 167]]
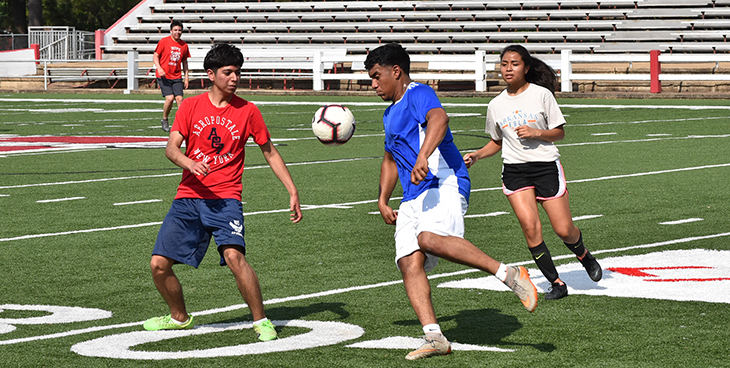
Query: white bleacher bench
[[651, 24], [708, 23], [321, 6], [641, 36], [314, 6], [705, 46], [455, 15], [384, 37], [86, 75], [491, 47], [703, 35], [371, 27]]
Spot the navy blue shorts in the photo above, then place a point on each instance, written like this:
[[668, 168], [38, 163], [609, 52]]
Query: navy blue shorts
[[185, 233], [170, 86], [546, 178]]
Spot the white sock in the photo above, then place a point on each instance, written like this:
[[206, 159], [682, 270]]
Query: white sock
[[178, 322], [502, 272], [262, 320], [432, 328]]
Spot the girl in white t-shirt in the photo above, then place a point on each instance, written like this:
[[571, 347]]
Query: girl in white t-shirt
[[523, 122]]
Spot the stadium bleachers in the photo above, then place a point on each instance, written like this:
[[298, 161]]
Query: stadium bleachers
[[544, 26]]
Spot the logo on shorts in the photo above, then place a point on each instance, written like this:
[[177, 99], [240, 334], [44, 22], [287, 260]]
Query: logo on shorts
[[237, 227]]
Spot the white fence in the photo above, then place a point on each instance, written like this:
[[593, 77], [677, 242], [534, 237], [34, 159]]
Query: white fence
[[568, 59], [321, 65]]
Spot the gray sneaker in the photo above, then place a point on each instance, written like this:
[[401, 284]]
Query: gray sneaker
[[518, 279], [435, 344], [165, 125]]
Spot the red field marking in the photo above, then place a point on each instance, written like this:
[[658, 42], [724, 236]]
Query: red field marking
[[20, 148], [84, 140], [640, 272], [45, 142]]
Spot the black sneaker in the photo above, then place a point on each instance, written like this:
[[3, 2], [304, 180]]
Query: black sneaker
[[165, 125], [557, 291], [592, 267]]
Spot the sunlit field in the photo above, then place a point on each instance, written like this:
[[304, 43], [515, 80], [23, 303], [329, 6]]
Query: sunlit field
[[85, 185]]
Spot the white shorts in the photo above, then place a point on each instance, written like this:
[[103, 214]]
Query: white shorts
[[438, 210]]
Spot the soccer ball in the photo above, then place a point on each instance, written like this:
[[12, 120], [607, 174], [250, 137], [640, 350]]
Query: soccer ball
[[333, 124]]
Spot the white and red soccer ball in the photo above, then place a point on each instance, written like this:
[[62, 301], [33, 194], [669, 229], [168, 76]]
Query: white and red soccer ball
[[333, 124]]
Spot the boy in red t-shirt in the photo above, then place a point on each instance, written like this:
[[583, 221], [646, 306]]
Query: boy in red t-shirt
[[171, 62], [215, 127]]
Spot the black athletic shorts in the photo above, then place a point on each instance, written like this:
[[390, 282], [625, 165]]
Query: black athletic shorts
[[171, 86], [546, 178]]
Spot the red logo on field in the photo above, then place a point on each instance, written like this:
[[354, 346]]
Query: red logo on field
[[641, 272], [36, 143]]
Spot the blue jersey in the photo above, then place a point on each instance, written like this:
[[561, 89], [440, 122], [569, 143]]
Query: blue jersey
[[405, 129]]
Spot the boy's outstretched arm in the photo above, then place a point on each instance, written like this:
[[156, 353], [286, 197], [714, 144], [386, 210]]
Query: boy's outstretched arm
[[388, 181], [276, 162]]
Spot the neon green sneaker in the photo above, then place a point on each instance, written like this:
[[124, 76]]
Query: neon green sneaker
[[266, 331], [166, 323]]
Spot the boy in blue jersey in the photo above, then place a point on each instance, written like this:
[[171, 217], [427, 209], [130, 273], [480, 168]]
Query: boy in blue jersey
[[419, 150]]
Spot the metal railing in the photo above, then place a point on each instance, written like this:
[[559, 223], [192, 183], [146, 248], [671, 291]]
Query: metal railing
[[13, 41], [312, 66], [62, 43]]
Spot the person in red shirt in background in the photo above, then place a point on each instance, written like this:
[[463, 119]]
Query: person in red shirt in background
[[214, 127], [171, 62]]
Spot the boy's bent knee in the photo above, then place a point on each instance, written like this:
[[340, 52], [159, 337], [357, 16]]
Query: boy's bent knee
[[428, 241], [160, 264], [233, 254], [412, 262]]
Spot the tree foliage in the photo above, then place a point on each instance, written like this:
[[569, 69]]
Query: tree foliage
[[85, 15]]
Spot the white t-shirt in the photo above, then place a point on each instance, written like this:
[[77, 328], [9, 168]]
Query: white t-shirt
[[535, 107]]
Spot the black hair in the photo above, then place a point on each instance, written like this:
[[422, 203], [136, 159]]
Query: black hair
[[539, 72], [221, 55], [175, 23], [390, 54]]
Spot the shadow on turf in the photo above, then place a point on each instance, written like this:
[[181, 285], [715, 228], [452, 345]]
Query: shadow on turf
[[285, 313], [483, 327]]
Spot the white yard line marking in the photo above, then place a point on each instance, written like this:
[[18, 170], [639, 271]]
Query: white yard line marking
[[344, 290], [167, 175], [650, 121], [333, 205], [88, 181], [59, 199], [684, 221], [491, 214], [33, 236], [644, 140], [138, 202], [649, 173], [586, 217], [605, 133]]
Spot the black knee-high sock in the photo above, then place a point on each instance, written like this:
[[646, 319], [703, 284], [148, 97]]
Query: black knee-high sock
[[543, 260], [578, 247]]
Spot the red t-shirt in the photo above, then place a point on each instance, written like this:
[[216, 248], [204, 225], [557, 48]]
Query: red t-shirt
[[217, 136], [171, 54]]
